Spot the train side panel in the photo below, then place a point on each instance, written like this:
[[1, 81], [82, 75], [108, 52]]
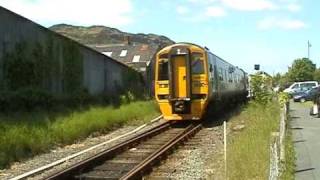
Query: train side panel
[[228, 82]]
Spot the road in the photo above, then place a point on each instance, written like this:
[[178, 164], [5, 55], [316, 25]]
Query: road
[[306, 139]]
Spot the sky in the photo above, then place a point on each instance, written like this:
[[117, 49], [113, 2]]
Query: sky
[[271, 33]]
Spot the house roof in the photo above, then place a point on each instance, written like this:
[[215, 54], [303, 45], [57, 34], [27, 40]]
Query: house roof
[[138, 56]]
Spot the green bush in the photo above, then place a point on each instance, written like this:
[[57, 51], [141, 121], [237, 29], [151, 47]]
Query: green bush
[[283, 98], [261, 86], [29, 99], [78, 98], [5, 100], [25, 99]]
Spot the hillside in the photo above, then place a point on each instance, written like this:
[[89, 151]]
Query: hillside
[[101, 35]]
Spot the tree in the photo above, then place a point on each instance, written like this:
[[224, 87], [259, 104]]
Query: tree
[[316, 75], [276, 79], [301, 70]]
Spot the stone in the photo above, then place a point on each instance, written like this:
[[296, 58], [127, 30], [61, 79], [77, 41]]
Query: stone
[[238, 127]]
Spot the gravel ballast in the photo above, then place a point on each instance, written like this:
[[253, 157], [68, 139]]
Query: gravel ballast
[[199, 158]]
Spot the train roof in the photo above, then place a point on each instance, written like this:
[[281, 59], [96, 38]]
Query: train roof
[[179, 44], [200, 47]]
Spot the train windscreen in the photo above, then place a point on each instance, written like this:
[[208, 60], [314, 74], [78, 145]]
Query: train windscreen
[[197, 65], [163, 73]]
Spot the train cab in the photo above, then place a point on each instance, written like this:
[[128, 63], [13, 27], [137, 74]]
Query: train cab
[[182, 82]]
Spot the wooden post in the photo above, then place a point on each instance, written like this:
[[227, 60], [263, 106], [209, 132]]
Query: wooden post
[[225, 147]]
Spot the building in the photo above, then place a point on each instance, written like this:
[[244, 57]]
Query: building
[[138, 56]]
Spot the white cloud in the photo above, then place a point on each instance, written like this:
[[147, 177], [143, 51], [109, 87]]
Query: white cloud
[[182, 10], [215, 11], [287, 24], [202, 1], [78, 12], [249, 5], [294, 7]]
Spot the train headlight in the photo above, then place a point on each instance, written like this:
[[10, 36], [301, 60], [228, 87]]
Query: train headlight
[[163, 85], [179, 106]]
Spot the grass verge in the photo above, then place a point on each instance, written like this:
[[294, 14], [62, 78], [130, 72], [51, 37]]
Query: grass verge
[[289, 164], [24, 135], [248, 147]]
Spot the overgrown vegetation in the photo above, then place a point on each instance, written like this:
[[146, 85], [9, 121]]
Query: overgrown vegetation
[[288, 166], [288, 172], [35, 77], [283, 98], [27, 134], [248, 149], [34, 65], [261, 87]]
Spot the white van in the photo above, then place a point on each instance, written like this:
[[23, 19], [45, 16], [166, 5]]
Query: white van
[[297, 86]]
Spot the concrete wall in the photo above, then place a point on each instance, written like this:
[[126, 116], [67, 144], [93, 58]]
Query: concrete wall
[[100, 73]]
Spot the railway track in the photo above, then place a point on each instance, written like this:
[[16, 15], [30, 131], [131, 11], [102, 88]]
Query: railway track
[[135, 157]]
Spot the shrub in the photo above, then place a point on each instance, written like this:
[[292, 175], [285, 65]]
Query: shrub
[[283, 98], [25, 99], [261, 88], [30, 98], [79, 97]]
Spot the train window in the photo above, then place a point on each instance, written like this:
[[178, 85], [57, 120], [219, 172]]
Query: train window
[[163, 73], [226, 75], [197, 64], [230, 77], [220, 74]]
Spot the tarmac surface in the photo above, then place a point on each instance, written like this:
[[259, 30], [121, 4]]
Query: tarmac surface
[[306, 139]]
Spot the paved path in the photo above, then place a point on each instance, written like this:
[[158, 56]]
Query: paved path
[[306, 139]]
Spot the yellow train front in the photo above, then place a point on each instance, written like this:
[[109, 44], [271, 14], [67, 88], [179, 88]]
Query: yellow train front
[[188, 77]]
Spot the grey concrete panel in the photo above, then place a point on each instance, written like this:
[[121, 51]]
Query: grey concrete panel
[[99, 71]]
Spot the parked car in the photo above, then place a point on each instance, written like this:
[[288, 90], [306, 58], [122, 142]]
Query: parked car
[[307, 95], [298, 86]]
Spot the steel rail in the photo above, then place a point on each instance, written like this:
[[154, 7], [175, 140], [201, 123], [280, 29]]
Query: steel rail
[[84, 165], [145, 165]]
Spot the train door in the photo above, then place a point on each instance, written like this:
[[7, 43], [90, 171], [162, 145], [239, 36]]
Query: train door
[[218, 77], [179, 76], [179, 80], [214, 75], [217, 83]]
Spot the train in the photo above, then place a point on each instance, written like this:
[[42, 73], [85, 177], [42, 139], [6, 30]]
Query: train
[[189, 78]]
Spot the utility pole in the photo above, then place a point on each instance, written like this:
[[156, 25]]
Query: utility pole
[[309, 46]]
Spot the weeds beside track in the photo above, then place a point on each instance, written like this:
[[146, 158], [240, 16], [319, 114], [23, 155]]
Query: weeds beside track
[[248, 149], [24, 135]]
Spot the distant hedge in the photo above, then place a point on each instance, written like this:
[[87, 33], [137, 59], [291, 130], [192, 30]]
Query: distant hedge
[[30, 99]]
